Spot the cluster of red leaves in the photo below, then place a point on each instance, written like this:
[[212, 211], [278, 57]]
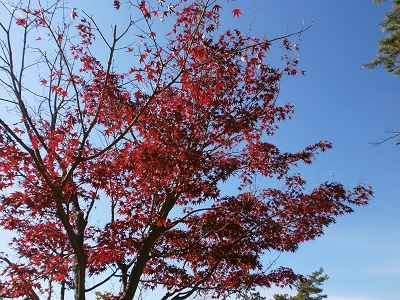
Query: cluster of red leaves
[[194, 116], [37, 17], [21, 279]]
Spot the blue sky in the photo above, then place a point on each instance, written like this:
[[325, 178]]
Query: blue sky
[[350, 106]]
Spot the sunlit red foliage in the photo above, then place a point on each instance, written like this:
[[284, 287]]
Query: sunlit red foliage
[[110, 173]]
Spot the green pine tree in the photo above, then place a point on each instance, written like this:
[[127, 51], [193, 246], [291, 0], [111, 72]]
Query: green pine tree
[[388, 53], [308, 289]]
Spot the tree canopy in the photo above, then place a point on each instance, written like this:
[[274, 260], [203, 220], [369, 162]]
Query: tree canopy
[[112, 162]]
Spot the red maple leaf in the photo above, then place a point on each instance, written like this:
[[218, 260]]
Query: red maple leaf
[[20, 21], [38, 11], [237, 12], [137, 94], [142, 57], [139, 77], [117, 4], [41, 22], [216, 7]]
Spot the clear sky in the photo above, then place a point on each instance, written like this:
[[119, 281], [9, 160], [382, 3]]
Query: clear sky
[[350, 106]]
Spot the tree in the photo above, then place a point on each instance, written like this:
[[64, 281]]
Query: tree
[[307, 289], [389, 46], [111, 166], [389, 53], [249, 294]]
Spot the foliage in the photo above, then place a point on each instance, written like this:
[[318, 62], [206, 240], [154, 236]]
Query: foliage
[[389, 54], [249, 294], [111, 166], [389, 46], [307, 289]]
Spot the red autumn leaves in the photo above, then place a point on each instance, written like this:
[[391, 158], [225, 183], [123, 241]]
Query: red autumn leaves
[[119, 161]]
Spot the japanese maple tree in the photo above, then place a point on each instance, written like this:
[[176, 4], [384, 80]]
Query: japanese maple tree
[[112, 166]]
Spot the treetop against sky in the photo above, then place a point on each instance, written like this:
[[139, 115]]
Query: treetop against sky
[[116, 143]]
